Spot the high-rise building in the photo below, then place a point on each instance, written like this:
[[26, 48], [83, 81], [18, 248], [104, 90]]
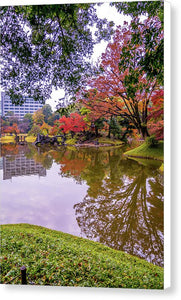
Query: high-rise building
[[29, 106]]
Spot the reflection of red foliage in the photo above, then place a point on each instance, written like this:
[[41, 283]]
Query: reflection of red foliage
[[75, 166], [74, 123], [9, 149]]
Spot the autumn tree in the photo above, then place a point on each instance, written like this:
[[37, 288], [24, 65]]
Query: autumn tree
[[55, 130], [155, 118], [72, 124], [122, 88], [12, 129], [38, 117], [45, 128]]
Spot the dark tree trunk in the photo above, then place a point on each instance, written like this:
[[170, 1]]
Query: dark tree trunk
[[109, 132], [144, 132], [96, 131]]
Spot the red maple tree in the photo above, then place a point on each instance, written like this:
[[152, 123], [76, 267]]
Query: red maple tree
[[12, 129], [74, 123], [155, 118], [121, 88]]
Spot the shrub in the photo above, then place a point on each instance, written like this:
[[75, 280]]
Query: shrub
[[35, 130], [71, 141]]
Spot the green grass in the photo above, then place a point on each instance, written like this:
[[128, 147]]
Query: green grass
[[146, 151], [161, 168], [7, 139], [71, 141], [11, 139], [55, 258], [30, 139]]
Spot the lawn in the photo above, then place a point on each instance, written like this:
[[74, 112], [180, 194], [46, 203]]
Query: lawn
[[7, 139], [146, 151], [30, 139], [55, 258], [11, 139]]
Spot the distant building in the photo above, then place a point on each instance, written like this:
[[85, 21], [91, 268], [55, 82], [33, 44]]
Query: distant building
[[29, 106]]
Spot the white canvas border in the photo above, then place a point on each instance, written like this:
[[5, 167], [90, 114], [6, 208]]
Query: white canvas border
[[167, 152], [46, 291]]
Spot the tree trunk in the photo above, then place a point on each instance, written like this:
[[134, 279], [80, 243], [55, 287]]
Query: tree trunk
[[109, 132], [96, 131], [144, 132]]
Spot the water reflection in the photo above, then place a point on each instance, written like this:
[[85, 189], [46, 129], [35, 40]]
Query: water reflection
[[120, 201], [127, 218], [20, 165]]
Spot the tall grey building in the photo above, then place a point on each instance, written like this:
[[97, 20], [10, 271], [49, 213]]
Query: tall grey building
[[29, 106]]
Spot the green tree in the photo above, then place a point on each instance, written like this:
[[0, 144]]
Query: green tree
[[152, 62], [48, 44], [29, 120], [47, 111], [35, 130], [12, 118], [54, 117]]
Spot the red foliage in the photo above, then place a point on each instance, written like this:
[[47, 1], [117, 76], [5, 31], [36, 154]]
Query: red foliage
[[74, 123], [156, 123], [118, 90], [54, 130], [12, 129]]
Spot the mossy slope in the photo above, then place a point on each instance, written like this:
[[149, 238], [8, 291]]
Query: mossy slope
[[56, 258], [146, 151]]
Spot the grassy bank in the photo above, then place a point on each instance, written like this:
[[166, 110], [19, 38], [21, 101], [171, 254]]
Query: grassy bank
[[30, 139], [11, 139], [146, 151], [7, 139], [56, 258]]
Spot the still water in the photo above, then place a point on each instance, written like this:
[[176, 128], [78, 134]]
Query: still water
[[95, 193]]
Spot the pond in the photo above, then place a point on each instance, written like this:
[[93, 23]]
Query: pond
[[95, 193]]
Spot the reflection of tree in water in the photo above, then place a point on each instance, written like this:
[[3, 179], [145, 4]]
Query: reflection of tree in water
[[14, 149], [126, 213], [84, 165], [123, 207], [40, 155]]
